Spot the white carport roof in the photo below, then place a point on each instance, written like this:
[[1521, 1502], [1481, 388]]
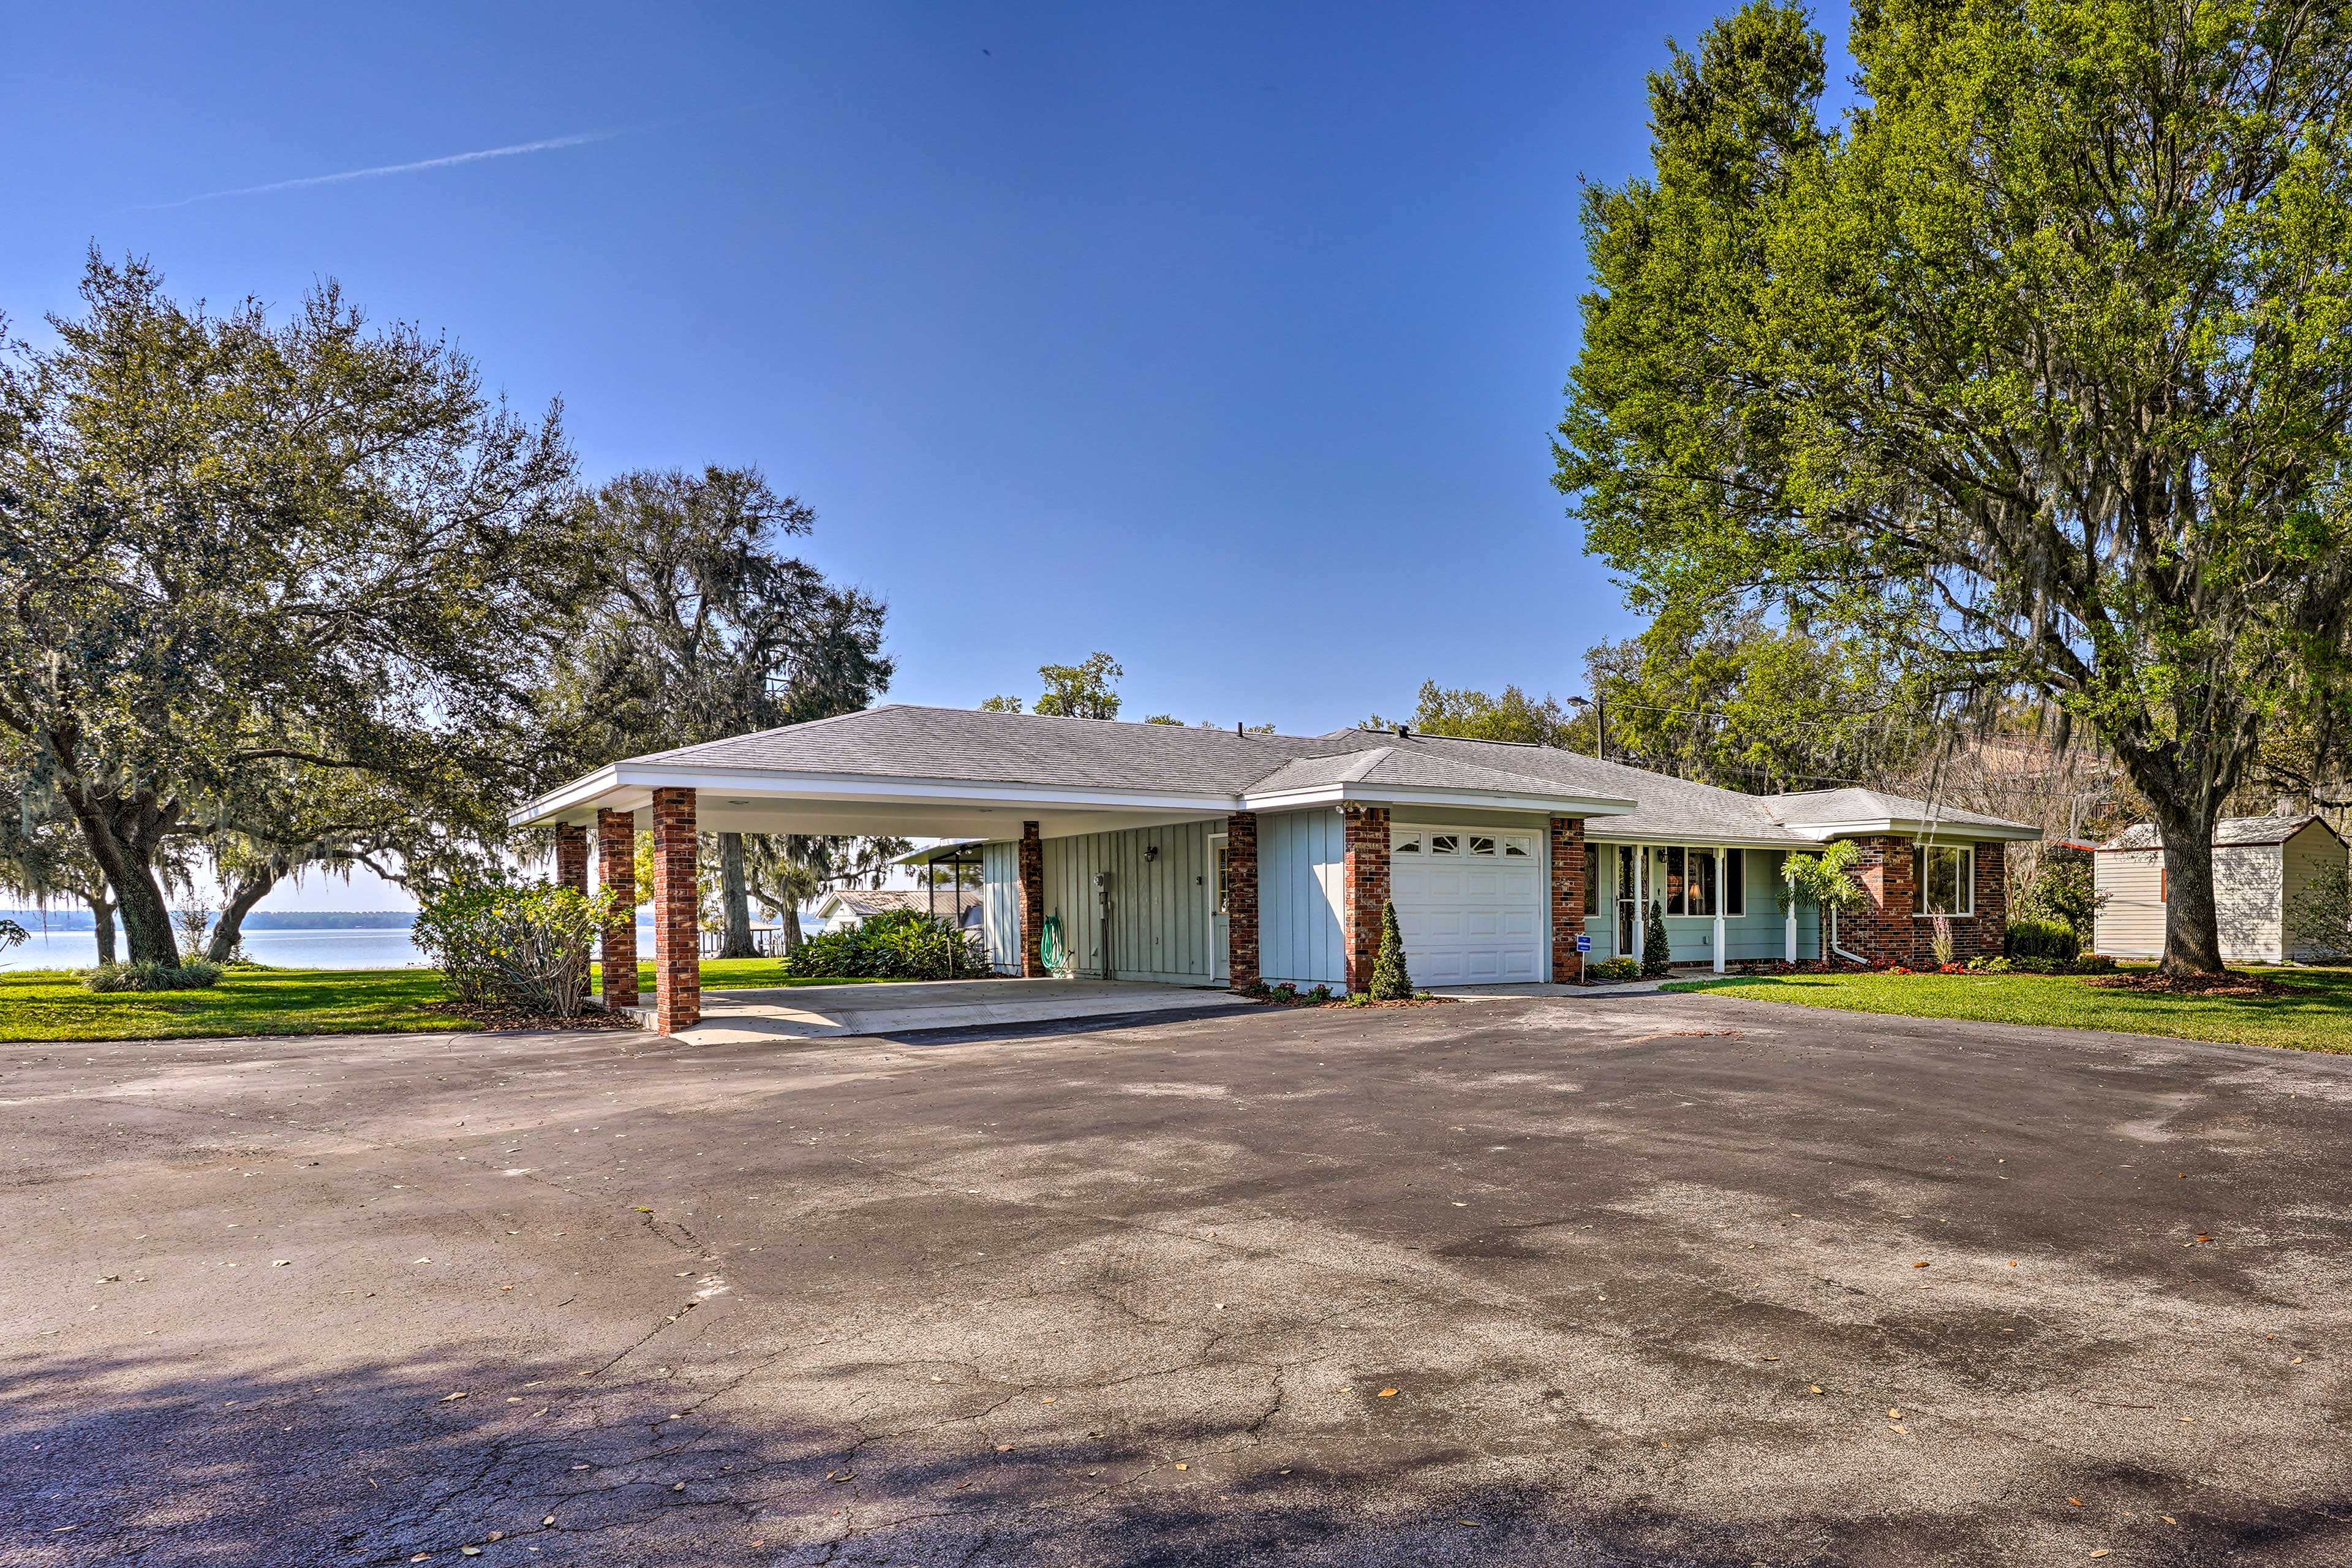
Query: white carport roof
[[951, 772]]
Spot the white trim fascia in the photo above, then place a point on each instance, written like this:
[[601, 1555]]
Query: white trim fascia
[[1914, 828], [627, 778], [1431, 795], [1694, 838]]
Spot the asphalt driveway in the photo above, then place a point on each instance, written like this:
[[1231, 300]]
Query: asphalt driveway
[[1542, 1281]]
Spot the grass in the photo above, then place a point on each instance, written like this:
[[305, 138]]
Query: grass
[[2317, 1015], [50, 1004]]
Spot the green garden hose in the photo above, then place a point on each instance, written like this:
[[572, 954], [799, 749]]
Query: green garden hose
[[1049, 945]]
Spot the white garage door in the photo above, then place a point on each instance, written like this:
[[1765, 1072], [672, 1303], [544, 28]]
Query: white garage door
[[1470, 903]]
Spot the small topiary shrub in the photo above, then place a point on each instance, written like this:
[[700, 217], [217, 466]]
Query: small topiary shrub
[[1624, 967], [1657, 952], [188, 974], [2052, 940], [1391, 983]]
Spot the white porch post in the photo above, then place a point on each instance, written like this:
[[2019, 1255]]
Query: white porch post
[[1788, 922], [1720, 862]]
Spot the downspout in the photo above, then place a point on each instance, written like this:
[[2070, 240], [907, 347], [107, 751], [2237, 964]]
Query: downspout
[[1849, 957]]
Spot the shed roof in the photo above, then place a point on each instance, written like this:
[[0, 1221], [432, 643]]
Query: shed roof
[[2230, 833]]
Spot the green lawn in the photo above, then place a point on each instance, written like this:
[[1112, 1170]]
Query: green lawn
[[50, 1004], [2317, 1015]]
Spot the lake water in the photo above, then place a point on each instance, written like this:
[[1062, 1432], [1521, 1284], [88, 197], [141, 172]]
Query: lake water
[[376, 949]]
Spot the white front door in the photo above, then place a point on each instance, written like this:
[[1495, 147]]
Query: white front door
[[1220, 923], [1470, 903]]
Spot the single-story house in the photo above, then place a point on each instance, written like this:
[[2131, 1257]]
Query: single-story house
[[1213, 857], [2261, 866], [854, 906]]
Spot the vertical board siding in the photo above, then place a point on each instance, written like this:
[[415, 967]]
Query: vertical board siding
[[1160, 906], [1000, 878], [2246, 881], [1302, 865]]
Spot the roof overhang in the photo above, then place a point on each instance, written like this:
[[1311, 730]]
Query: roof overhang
[[760, 800], [1914, 828], [1316, 795]]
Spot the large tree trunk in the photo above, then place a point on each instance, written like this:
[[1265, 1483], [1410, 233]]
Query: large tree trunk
[[2193, 927], [735, 900], [130, 868], [791, 917], [229, 929], [102, 919]]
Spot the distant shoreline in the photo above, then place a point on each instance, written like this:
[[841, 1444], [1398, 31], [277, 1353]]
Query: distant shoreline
[[61, 917]]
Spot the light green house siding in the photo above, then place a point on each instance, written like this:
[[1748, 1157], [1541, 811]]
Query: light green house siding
[[1759, 932]]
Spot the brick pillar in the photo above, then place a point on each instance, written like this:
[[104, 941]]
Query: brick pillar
[[1567, 898], [570, 856], [616, 868], [677, 933], [1986, 934], [1367, 891], [1241, 900], [1883, 929], [1032, 900]]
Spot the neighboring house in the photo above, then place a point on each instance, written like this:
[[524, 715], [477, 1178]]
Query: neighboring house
[[1207, 856], [2261, 867], [853, 906]]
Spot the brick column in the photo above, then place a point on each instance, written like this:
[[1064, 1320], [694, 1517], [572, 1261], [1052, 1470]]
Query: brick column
[[570, 856], [1567, 899], [1883, 931], [616, 868], [1241, 900], [1032, 900], [1366, 878], [1984, 936], [677, 933]]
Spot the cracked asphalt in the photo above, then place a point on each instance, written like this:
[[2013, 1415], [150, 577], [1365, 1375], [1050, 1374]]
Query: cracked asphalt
[[1632, 1281]]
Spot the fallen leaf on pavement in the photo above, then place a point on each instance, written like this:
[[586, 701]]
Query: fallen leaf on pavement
[[1387, 1394], [447, 1397]]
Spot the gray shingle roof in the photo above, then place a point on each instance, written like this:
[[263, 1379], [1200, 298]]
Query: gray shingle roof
[[902, 740], [2230, 833]]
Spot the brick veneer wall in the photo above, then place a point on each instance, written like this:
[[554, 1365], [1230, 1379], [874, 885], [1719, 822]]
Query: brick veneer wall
[[1367, 887], [1567, 898], [570, 856], [678, 908], [1032, 899], [1885, 931], [1241, 900], [616, 868]]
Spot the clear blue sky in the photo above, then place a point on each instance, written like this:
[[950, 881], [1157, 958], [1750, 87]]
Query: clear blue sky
[[1225, 338]]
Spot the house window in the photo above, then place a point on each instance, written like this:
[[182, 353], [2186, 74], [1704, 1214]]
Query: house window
[[1445, 844], [1689, 883], [1592, 878], [1945, 881], [1522, 848], [1406, 844], [1220, 894], [1481, 844], [1735, 881]]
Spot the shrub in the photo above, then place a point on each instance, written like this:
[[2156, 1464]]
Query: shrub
[[1658, 953], [1624, 967], [896, 944], [2093, 963], [2052, 940], [188, 974], [526, 945], [1391, 983], [2041, 965], [1987, 966], [1286, 992], [1321, 993]]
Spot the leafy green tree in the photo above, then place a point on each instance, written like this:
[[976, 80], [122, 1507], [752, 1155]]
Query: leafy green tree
[[1827, 881], [1474, 715], [228, 543], [2034, 367], [706, 629], [1735, 701], [1081, 690]]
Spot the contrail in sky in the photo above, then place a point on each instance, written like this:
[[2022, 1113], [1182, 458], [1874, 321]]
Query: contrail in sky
[[520, 148]]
